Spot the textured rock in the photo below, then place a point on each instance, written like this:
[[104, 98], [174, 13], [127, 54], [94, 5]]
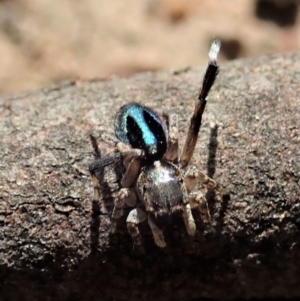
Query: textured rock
[[54, 244]]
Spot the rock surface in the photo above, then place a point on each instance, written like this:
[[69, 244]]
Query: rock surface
[[55, 246]]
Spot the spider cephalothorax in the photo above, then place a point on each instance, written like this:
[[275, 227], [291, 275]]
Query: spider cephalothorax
[[157, 182]]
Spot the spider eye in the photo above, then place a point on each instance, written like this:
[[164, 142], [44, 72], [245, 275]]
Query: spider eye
[[142, 128]]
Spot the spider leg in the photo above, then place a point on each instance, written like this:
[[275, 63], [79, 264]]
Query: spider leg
[[210, 183], [193, 174], [198, 200], [96, 186], [122, 147], [131, 159], [124, 196], [187, 213], [196, 120], [189, 220], [132, 172], [96, 169], [172, 150], [126, 151], [157, 233], [135, 217]]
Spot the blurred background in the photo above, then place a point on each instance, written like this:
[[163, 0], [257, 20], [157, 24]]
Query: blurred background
[[46, 41]]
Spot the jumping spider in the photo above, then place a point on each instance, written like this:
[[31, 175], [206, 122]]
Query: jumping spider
[[157, 182]]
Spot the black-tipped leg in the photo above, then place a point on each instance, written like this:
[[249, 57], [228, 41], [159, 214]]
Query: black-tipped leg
[[208, 80]]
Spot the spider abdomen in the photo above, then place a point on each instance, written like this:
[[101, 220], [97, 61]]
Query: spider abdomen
[[140, 127], [159, 186]]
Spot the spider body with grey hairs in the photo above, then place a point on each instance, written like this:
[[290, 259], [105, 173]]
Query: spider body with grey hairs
[[156, 181]]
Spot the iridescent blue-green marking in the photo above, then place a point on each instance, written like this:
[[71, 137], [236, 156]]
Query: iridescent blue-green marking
[[136, 113], [142, 128]]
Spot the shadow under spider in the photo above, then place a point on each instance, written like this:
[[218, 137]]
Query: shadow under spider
[[103, 206], [212, 150], [211, 169], [95, 221]]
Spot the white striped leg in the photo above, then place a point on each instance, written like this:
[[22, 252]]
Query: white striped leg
[[119, 203], [189, 220], [198, 200], [193, 174], [135, 217]]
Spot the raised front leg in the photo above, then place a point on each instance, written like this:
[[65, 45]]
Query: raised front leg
[[196, 120]]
